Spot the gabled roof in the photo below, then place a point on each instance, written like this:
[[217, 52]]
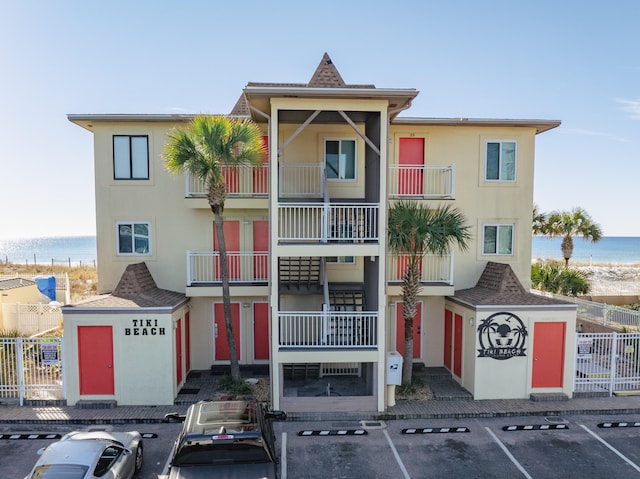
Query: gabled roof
[[499, 286], [14, 283], [136, 289]]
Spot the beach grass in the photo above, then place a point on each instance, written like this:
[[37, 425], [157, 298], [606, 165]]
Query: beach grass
[[83, 280]]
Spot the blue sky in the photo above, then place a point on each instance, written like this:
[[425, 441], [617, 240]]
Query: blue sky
[[574, 61]]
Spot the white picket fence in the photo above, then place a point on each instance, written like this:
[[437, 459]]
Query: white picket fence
[[607, 363], [31, 368]]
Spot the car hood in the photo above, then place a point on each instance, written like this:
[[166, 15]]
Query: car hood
[[262, 470]]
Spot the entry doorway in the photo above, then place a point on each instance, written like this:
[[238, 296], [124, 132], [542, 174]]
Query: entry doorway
[[548, 355], [95, 360], [221, 344]]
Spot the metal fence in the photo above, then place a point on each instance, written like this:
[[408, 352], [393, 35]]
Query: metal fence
[[600, 313], [31, 368], [607, 362]]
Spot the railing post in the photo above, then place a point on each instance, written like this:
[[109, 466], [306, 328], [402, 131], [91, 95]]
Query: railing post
[[20, 370], [613, 362], [188, 268]]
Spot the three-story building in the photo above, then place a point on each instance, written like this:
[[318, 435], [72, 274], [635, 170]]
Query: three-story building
[[315, 290]]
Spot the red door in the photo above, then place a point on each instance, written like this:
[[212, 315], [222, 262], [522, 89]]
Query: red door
[[95, 357], [179, 352], [261, 331], [261, 175], [448, 336], [232, 242], [457, 345], [417, 323], [220, 332], [261, 245], [411, 174], [187, 339], [548, 355]]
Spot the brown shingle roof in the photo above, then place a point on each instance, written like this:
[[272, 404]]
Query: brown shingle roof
[[326, 75], [136, 289], [498, 285]]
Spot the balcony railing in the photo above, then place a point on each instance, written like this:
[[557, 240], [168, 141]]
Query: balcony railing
[[241, 181], [204, 267], [433, 269], [301, 180], [421, 181], [331, 329], [342, 222]]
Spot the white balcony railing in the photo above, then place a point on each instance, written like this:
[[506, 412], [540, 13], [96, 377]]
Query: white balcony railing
[[204, 267], [331, 329], [241, 181], [433, 269], [301, 180], [421, 181], [343, 222]]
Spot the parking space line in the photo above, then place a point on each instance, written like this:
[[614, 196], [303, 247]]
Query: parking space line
[[509, 455], [613, 449], [283, 456], [396, 455]]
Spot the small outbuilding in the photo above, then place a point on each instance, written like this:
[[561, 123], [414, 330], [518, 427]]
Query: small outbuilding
[[503, 342], [14, 291], [129, 347]]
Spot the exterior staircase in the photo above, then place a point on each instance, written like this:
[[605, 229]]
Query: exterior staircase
[[300, 275]]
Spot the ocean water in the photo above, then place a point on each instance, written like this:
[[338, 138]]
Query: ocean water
[[62, 250], [610, 249], [76, 249]]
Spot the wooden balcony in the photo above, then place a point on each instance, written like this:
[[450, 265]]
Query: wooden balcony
[[427, 182], [327, 330]]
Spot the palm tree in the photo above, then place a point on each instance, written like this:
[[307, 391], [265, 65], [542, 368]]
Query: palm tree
[[539, 221], [567, 224], [203, 149], [555, 278], [415, 230]]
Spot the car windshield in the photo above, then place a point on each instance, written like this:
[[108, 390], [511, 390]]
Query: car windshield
[[221, 454], [59, 471]]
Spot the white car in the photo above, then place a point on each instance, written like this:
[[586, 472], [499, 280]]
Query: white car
[[89, 455]]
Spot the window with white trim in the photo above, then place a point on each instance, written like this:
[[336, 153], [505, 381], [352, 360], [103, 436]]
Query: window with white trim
[[134, 238], [497, 239], [500, 161], [340, 159], [130, 157]]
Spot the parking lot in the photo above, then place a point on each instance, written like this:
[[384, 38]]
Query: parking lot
[[528, 447], [19, 453]]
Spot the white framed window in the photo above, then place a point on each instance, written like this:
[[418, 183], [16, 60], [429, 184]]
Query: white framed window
[[500, 160], [341, 259], [497, 239], [130, 157], [340, 159], [133, 238]]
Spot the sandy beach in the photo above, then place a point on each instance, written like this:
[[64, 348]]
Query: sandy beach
[[612, 280]]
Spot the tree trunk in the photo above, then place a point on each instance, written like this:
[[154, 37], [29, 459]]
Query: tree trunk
[[407, 364], [226, 296], [567, 249]]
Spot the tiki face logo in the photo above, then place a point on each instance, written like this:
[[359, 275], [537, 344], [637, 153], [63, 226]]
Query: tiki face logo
[[502, 336]]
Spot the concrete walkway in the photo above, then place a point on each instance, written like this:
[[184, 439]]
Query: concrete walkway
[[441, 407]]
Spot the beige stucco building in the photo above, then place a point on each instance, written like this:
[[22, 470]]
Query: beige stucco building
[[315, 291]]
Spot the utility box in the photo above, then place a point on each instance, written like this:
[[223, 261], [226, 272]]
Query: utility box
[[394, 368]]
